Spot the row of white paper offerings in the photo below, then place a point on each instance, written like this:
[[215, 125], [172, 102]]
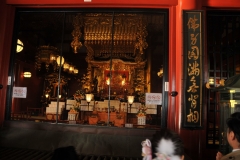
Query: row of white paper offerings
[[101, 106]]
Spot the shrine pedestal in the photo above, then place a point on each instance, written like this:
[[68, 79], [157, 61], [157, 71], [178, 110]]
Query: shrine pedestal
[[73, 116], [141, 120]]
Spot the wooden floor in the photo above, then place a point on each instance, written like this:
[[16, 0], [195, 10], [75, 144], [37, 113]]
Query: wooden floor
[[29, 154], [23, 154], [21, 140], [28, 139]]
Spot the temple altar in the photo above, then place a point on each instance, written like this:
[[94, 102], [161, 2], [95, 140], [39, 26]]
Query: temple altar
[[119, 113]]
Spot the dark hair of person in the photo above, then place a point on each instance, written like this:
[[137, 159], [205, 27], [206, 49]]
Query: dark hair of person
[[65, 153], [233, 124], [168, 135], [235, 115]]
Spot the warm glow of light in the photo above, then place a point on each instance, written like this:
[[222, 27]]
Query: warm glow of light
[[19, 46], [52, 57], [233, 102], [46, 95], [65, 66], [138, 88], [27, 74], [89, 97], [123, 82], [130, 99], [59, 59], [108, 81], [211, 81], [75, 71], [160, 73], [71, 69]]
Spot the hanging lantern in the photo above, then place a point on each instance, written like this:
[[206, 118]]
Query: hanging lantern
[[71, 69], [75, 71], [66, 66], [59, 60], [19, 46], [27, 74]]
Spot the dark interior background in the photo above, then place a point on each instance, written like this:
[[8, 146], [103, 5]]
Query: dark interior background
[[41, 27]]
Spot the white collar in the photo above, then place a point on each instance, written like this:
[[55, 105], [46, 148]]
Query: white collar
[[235, 150]]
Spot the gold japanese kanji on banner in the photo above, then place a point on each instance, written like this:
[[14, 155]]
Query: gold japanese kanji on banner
[[193, 68]]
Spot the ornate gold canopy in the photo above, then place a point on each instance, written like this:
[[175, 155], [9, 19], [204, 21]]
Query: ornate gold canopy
[[125, 40], [120, 37]]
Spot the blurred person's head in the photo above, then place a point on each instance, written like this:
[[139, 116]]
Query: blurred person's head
[[167, 145], [65, 153], [235, 115], [233, 130]]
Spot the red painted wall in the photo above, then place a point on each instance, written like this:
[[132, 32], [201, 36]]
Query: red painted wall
[[144, 3], [106, 3], [6, 28], [222, 4]]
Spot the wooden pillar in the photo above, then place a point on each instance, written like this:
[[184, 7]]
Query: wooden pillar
[[6, 27], [193, 139]]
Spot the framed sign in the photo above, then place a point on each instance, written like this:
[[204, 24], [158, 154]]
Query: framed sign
[[19, 92], [193, 68], [154, 98]]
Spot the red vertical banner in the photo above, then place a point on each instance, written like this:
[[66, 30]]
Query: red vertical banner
[[193, 68]]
